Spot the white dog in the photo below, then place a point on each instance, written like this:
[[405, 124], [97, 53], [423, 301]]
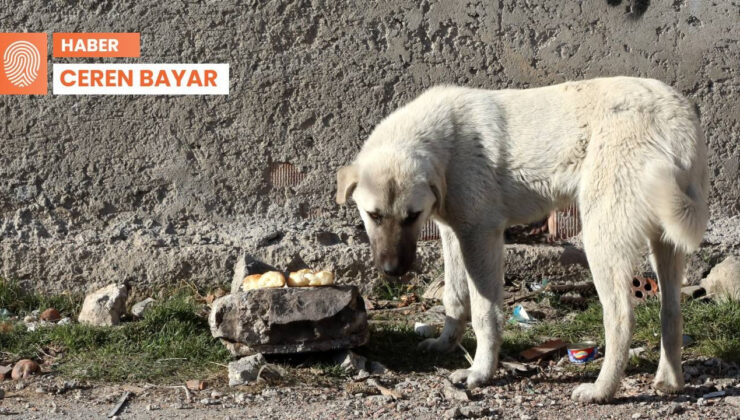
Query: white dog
[[629, 151]]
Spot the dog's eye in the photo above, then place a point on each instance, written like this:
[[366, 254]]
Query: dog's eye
[[411, 218], [376, 217]]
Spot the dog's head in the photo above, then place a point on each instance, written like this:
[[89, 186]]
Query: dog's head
[[394, 202]]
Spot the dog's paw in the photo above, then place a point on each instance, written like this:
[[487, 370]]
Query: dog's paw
[[589, 393], [667, 384], [438, 345], [471, 378]]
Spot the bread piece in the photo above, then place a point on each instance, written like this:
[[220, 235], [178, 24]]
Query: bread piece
[[299, 278], [321, 278], [271, 279]]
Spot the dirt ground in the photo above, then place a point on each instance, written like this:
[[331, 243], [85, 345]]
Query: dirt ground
[[312, 387], [544, 395]]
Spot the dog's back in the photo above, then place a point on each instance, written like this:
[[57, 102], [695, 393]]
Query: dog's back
[[544, 144]]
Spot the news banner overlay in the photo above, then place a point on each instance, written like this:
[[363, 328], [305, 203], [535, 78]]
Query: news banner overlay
[[96, 44], [23, 64], [141, 79]]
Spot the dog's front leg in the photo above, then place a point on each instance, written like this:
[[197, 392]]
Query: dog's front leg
[[456, 298], [482, 253]]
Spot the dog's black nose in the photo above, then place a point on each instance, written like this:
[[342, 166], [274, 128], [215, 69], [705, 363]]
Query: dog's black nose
[[388, 268], [391, 269]]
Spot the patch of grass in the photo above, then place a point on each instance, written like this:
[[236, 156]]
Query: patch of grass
[[170, 344], [393, 289], [173, 342], [714, 327], [331, 370], [19, 301]]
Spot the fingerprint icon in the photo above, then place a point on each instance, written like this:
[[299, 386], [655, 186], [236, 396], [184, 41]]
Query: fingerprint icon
[[21, 63]]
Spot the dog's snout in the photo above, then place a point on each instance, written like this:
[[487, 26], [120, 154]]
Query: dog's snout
[[389, 266], [391, 270]]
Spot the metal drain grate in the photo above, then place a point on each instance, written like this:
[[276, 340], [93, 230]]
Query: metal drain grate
[[429, 232], [561, 225], [565, 223], [283, 174]]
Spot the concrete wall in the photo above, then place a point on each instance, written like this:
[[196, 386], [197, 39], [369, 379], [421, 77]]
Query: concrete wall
[[164, 189]]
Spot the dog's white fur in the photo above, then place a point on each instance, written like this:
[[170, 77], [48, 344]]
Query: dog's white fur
[[629, 151]]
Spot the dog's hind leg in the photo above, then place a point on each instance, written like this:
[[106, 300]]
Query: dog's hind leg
[[482, 252], [611, 256], [669, 263], [456, 297]]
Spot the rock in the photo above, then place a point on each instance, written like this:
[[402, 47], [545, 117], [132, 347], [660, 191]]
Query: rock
[[104, 306], [675, 408], [50, 315], [240, 398], [362, 374], [196, 385], [219, 292], [24, 368], [377, 368], [435, 290], [453, 393], [245, 266], [140, 308], [636, 352], [724, 280], [350, 361], [240, 271], [453, 413], [473, 412], [693, 292], [5, 371], [393, 393], [270, 393], [691, 371], [209, 401], [290, 320], [425, 330], [271, 373], [733, 400], [245, 369], [379, 399], [65, 321]]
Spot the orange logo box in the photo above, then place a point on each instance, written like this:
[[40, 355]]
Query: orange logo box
[[96, 44], [23, 63]]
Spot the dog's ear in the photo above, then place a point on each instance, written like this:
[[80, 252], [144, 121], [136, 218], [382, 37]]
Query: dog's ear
[[346, 182], [439, 188]]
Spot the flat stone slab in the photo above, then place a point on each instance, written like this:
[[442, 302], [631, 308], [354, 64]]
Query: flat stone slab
[[290, 320]]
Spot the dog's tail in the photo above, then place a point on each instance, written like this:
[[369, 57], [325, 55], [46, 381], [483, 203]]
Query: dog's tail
[[680, 205]]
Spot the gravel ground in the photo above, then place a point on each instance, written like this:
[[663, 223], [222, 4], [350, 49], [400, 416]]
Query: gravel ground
[[544, 395]]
